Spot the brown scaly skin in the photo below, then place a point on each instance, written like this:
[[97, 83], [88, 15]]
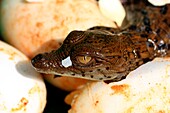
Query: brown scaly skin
[[112, 53]]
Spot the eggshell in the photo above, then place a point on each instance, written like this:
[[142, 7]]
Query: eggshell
[[159, 2], [113, 10], [145, 90], [66, 83], [22, 90], [40, 26]]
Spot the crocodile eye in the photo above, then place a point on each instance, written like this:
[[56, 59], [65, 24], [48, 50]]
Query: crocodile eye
[[84, 59]]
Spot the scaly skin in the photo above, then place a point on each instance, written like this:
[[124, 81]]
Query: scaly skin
[[103, 53]]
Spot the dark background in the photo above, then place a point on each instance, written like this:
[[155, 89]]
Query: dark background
[[55, 99]]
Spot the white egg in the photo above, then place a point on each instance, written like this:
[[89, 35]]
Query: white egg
[[22, 90], [159, 2], [145, 90]]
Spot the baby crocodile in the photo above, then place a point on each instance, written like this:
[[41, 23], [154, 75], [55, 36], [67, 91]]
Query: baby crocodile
[[104, 53]]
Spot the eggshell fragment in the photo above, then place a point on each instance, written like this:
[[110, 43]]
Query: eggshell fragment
[[159, 2], [145, 90], [22, 90], [113, 10]]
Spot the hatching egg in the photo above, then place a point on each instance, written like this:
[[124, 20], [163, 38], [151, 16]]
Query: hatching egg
[[145, 90]]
